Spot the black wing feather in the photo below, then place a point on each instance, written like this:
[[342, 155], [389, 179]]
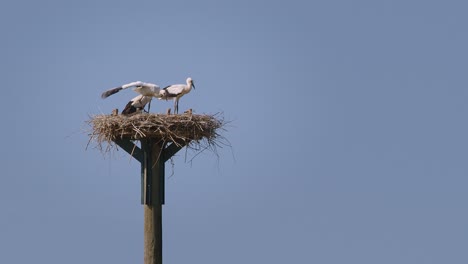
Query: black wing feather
[[110, 92], [168, 94], [129, 109]]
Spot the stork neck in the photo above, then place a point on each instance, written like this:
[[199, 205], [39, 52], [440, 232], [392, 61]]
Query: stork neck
[[189, 86]]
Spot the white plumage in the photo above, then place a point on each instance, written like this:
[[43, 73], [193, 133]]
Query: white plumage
[[146, 90], [176, 91]]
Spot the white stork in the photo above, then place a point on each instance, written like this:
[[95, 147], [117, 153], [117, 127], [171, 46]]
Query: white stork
[[146, 89], [137, 104], [176, 91]]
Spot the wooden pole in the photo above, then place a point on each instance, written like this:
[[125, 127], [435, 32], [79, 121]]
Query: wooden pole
[[153, 209], [152, 155]]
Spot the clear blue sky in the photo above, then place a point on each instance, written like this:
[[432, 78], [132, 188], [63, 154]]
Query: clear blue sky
[[349, 130]]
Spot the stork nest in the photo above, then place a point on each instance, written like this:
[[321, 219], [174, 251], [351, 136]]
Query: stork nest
[[199, 131]]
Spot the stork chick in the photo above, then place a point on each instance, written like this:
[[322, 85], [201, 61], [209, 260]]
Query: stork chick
[[137, 104]]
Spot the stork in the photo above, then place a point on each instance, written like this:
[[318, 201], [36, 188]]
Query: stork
[[176, 91], [146, 89], [136, 104]]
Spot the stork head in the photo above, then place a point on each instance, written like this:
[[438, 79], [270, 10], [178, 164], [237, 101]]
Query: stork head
[[190, 82], [163, 94]]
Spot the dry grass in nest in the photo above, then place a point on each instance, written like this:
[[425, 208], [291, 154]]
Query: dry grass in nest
[[200, 131]]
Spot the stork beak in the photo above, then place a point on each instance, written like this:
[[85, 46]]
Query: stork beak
[[193, 84]]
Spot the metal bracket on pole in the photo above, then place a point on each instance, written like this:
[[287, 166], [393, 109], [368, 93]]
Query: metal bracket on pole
[[172, 149], [146, 172], [144, 156], [130, 148]]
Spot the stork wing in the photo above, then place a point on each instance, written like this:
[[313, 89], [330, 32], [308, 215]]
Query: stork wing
[[136, 104], [137, 83], [117, 89], [141, 101], [129, 109], [110, 92], [173, 90]]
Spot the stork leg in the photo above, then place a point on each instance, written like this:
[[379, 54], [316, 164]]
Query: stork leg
[[176, 106], [149, 105]]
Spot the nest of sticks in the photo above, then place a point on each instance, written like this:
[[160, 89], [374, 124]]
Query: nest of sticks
[[199, 132]]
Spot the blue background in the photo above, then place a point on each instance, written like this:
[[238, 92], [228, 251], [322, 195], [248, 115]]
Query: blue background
[[348, 133]]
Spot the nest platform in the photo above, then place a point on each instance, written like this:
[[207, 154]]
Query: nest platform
[[161, 127]]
